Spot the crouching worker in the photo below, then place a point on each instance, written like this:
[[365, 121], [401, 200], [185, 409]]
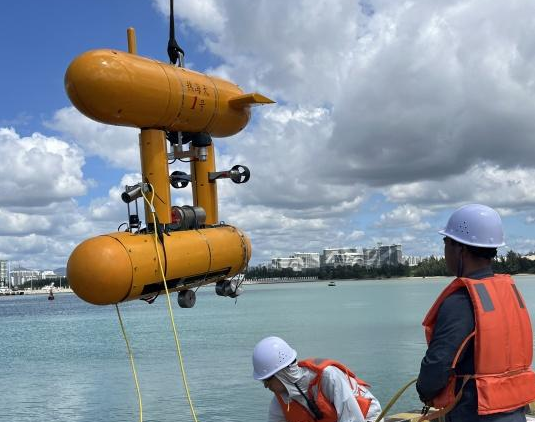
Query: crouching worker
[[312, 389]]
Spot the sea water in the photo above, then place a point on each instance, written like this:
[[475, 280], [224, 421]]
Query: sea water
[[66, 360]]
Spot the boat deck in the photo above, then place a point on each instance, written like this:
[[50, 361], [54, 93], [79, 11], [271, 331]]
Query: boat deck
[[413, 416]]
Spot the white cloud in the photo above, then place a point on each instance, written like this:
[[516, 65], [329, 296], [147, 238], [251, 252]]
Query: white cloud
[[430, 103], [42, 237], [38, 170], [112, 208], [15, 223], [118, 146], [274, 232], [41, 222], [35, 251], [205, 15], [405, 216], [417, 91], [285, 155], [507, 190], [355, 235], [444, 89]]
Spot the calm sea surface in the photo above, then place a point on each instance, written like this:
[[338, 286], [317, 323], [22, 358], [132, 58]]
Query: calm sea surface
[[65, 360]]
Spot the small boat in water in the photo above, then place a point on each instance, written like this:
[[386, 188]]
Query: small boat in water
[[331, 283]]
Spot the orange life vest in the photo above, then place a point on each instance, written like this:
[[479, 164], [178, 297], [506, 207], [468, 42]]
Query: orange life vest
[[503, 345], [295, 412]]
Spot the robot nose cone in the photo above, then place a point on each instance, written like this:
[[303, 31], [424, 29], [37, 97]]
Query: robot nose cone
[[97, 83], [99, 271]]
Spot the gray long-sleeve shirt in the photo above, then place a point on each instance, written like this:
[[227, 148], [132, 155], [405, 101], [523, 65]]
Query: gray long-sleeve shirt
[[455, 321]]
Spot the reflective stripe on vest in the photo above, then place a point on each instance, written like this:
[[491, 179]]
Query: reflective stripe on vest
[[295, 412], [503, 344]]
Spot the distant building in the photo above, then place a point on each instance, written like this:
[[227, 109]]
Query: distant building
[[367, 257], [308, 259], [48, 274], [297, 261], [335, 257], [4, 272], [389, 254], [412, 261], [23, 275], [282, 263], [371, 257]]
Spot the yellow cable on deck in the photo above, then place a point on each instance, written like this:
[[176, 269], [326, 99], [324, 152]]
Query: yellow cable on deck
[[131, 355], [169, 307], [394, 399]]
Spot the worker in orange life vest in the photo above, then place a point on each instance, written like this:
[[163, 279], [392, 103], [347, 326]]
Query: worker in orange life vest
[[480, 342], [310, 390]]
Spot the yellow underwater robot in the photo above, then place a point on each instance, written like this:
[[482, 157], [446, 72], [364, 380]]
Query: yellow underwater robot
[[168, 103]]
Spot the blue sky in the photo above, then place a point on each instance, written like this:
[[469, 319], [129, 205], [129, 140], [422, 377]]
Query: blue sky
[[385, 121]]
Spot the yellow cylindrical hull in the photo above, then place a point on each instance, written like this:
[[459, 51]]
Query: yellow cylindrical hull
[[125, 89], [123, 266]]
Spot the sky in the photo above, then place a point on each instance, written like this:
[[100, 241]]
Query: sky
[[390, 114]]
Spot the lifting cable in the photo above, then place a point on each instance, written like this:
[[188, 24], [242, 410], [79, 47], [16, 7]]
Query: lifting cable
[[174, 51], [131, 355], [175, 54], [150, 203], [437, 414], [170, 309], [394, 399]]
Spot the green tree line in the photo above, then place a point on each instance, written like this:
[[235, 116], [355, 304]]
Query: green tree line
[[512, 263]]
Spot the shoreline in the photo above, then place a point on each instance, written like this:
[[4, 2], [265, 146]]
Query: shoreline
[[317, 280], [37, 292], [274, 281]]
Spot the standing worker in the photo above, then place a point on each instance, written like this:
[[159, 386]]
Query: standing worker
[[312, 389], [480, 344]]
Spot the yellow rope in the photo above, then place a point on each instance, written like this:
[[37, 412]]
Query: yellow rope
[[169, 307], [131, 355], [394, 399]]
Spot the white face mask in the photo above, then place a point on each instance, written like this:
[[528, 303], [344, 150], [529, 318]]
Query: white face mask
[[291, 375]]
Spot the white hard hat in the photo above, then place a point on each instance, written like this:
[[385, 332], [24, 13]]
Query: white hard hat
[[270, 355], [475, 225]]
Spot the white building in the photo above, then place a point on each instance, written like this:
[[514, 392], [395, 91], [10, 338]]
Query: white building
[[23, 275], [412, 261], [335, 257], [48, 274], [382, 255], [367, 257], [308, 259], [389, 254], [298, 261], [281, 263], [4, 273]]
